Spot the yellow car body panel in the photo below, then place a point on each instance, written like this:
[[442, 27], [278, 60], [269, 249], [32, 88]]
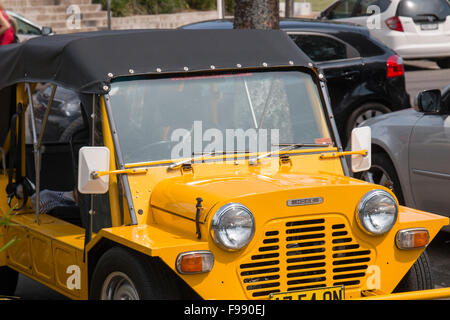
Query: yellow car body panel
[[169, 227], [226, 276], [165, 203]]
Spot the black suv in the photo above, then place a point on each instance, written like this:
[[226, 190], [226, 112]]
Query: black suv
[[364, 77]]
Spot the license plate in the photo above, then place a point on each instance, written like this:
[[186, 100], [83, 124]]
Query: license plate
[[429, 26], [329, 293]]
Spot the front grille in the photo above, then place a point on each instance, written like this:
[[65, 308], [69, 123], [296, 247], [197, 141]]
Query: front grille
[[304, 254]]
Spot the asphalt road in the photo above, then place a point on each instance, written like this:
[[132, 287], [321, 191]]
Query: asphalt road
[[423, 75], [420, 75]]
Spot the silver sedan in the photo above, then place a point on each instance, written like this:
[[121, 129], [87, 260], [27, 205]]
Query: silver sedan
[[411, 152]]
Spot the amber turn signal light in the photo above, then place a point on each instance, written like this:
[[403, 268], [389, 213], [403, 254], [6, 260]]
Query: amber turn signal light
[[412, 238], [194, 262]]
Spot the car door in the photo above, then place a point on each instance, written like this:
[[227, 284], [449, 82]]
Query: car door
[[340, 63], [429, 163]]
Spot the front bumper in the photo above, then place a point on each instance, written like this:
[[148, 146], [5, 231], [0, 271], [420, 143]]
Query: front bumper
[[440, 293]]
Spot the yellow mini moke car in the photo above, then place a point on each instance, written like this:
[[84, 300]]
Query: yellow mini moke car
[[197, 164]]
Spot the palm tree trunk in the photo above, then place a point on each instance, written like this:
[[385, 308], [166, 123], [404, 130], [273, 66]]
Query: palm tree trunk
[[257, 14]]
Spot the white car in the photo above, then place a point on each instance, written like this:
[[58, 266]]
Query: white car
[[27, 29], [415, 29]]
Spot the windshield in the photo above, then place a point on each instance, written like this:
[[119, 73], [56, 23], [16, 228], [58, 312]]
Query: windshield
[[172, 118]]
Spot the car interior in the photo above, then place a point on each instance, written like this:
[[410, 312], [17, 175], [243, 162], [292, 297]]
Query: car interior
[[59, 166]]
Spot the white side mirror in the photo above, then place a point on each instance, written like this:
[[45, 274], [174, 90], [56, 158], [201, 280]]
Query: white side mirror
[[90, 160], [361, 140]]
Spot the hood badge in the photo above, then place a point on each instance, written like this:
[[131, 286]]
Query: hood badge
[[304, 201]]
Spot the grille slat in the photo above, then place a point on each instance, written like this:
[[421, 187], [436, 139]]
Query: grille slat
[[265, 256], [350, 261], [306, 266], [263, 286], [351, 254], [306, 258], [353, 268], [262, 279], [311, 272], [268, 248], [304, 230], [259, 271], [305, 254], [306, 237], [305, 244], [306, 280], [259, 264]]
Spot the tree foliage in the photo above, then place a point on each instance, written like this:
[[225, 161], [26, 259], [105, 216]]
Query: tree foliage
[[121, 8], [6, 221]]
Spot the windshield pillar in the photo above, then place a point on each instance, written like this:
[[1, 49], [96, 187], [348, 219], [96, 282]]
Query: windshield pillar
[[120, 161], [329, 113]]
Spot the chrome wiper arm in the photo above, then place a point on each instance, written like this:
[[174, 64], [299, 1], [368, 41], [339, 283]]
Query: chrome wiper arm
[[286, 147], [304, 145], [220, 152], [180, 163]]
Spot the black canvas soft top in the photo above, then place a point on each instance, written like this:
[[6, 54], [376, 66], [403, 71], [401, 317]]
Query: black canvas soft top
[[87, 62]]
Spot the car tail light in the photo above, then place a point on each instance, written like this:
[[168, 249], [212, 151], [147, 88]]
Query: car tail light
[[394, 23], [395, 66]]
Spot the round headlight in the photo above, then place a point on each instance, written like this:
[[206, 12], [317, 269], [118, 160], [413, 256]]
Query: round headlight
[[377, 212], [233, 226]]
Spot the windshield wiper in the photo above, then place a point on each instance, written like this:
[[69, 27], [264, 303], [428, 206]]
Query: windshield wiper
[[202, 154], [287, 147]]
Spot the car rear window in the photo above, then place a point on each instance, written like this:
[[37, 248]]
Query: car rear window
[[366, 45], [420, 9], [321, 48]]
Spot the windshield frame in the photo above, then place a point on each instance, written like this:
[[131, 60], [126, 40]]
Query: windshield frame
[[312, 71]]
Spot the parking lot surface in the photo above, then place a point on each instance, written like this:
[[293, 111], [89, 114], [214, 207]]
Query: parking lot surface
[[423, 75], [420, 75]]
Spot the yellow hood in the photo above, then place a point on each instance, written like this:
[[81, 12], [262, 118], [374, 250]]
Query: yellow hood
[[178, 195]]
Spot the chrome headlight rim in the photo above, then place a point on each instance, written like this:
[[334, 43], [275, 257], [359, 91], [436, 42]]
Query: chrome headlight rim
[[363, 202], [216, 221]]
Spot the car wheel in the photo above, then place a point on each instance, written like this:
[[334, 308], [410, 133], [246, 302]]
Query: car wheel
[[364, 112], [382, 172], [418, 277], [8, 281], [121, 274], [444, 63]]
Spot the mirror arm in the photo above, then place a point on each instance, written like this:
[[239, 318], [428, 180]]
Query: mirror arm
[[97, 174], [341, 154]]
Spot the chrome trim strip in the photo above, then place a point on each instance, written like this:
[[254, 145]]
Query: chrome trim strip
[[431, 174]]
